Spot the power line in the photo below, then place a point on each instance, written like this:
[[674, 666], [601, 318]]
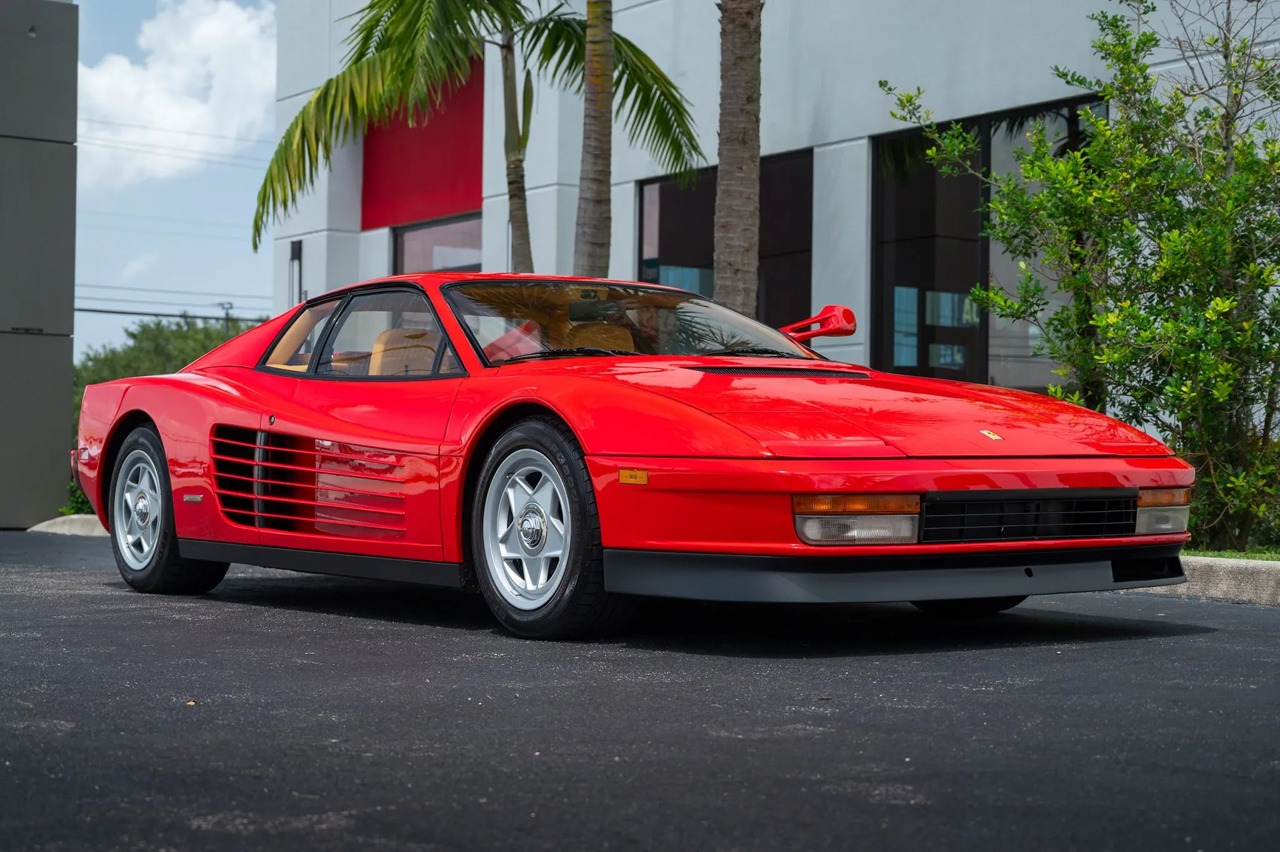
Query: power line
[[111, 227], [172, 316], [257, 140], [209, 223], [153, 146], [146, 302], [142, 150], [173, 292]]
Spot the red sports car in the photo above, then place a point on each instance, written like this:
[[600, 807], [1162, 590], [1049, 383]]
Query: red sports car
[[563, 445]]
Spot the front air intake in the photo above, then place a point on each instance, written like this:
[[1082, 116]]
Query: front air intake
[[1028, 515]]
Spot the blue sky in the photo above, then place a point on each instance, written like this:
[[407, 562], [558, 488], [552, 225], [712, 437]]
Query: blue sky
[[176, 110]]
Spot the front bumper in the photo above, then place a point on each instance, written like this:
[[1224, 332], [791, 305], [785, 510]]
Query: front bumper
[[858, 579]]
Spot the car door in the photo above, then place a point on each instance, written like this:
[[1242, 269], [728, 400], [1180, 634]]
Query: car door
[[354, 456]]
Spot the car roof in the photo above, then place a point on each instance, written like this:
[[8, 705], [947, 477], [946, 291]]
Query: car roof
[[436, 280]]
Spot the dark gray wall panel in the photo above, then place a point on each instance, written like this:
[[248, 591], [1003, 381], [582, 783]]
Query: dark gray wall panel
[[35, 434], [37, 235], [38, 72]]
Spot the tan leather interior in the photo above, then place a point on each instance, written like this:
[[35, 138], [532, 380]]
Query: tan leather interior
[[403, 352], [602, 334]]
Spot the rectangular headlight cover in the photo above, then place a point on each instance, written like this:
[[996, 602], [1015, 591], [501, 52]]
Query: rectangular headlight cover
[[858, 529], [1162, 511], [1162, 520]]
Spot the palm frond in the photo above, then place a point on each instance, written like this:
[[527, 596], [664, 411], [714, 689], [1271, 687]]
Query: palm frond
[[650, 107], [441, 37], [403, 56], [342, 107]]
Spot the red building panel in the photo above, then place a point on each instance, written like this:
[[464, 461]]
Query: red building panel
[[432, 170]]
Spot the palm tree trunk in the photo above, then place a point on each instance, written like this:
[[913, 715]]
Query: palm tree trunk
[[594, 226], [517, 204], [737, 225]]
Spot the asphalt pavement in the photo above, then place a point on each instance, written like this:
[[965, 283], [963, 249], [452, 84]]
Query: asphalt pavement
[[287, 711]]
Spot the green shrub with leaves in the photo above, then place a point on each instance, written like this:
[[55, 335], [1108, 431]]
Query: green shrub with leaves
[[1163, 231]]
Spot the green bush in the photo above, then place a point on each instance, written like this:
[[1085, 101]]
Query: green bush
[[1159, 231], [77, 503]]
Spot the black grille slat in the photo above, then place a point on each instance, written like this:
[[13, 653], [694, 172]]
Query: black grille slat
[[953, 518], [793, 372]]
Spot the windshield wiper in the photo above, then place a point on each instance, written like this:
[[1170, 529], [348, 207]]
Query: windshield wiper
[[567, 353], [761, 351]]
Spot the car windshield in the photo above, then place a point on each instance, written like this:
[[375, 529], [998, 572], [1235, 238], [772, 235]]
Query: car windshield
[[518, 320]]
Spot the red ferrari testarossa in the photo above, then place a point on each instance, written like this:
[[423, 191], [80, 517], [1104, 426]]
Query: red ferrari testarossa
[[564, 444]]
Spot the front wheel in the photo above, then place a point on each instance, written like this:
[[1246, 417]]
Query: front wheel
[[535, 536], [968, 607], [140, 513]]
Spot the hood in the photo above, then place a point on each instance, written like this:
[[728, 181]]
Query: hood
[[816, 409]]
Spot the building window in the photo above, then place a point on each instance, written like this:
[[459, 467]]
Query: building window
[[930, 252], [445, 245], [677, 246]]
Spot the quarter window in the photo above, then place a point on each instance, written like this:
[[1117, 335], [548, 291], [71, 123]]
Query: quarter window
[[296, 347], [388, 334]]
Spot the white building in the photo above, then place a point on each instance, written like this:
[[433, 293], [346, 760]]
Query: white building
[[843, 220]]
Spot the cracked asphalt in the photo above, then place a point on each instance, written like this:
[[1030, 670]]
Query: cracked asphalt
[[286, 711]]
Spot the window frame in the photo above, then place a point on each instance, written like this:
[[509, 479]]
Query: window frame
[[340, 312], [447, 289], [880, 350], [400, 231]]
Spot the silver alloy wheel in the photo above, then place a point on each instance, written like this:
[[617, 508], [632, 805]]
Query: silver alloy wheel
[[138, 510], [527, 529]]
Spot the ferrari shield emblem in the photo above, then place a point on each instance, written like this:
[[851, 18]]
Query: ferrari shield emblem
[[992, 435]]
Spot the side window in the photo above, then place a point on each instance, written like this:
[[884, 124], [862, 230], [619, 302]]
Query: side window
[[385, 335], [295, 348]]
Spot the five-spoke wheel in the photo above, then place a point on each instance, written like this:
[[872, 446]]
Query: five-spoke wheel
[[138, 509], [536, 535], [140, 516], [527, 529]]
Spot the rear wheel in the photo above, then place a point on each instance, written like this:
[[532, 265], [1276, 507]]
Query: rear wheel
[[968, 607], [536, 536], [143, 537]]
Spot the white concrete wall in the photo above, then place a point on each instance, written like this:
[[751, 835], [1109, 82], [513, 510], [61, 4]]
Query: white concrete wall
[[310, 49]]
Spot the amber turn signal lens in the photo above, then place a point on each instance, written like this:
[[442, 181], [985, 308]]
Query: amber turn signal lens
[[1152, 497], [856, 504]]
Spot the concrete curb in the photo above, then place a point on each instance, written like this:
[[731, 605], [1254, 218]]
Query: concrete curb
[[1247, 580], [71, 525]]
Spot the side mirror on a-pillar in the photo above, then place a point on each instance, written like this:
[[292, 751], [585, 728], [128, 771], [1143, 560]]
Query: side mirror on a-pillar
[[831, 321]]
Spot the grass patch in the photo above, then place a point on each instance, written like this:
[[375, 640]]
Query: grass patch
[[1265, 555]]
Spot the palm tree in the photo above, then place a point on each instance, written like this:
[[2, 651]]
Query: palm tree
[[405, 55], [737, 225], [595, 216]]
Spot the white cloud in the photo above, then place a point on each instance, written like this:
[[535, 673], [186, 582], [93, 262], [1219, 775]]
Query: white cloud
[[144, 262], [207, 76]]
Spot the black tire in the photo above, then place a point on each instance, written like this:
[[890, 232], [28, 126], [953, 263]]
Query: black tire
[[572, 600], [968, 607], [156, 567]]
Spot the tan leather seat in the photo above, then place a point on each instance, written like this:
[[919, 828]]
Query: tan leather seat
[[605, 335], [403, 352]]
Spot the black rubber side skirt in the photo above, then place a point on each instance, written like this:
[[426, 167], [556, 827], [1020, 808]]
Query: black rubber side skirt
[[445, 574]]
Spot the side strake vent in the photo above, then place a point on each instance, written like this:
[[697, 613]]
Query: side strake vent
[[306, 485], [795, 372]]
